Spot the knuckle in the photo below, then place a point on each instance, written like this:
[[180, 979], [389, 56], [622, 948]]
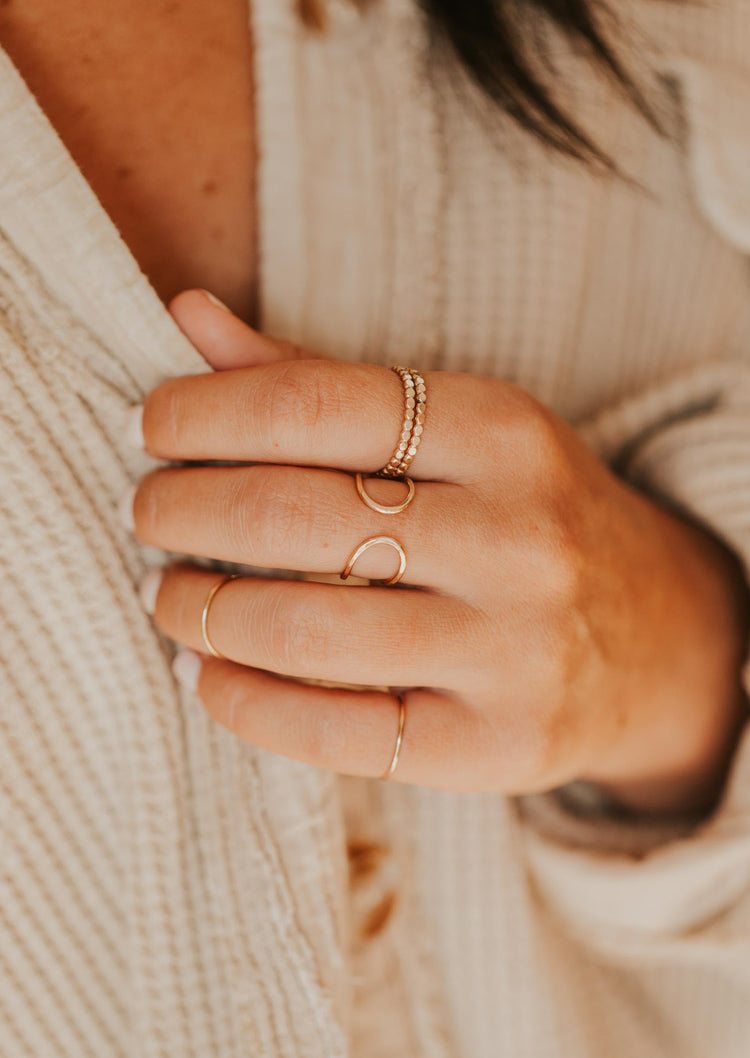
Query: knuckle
[[509, 420], [227, 704], [544, 453], [265, 516], [271, 407], [298, 636], [307, 637], [552, 732], [232, 518], [325, 740], [556, 533], [283, 516], [165, 411], [530, 742], [297, 398], [500, 404], [529, 428], [539, 752], [558, 562], [148, 506], [489, 421]]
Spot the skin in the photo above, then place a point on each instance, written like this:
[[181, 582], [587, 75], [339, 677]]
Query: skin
[[553, 624], [542, 646], [154, 101]]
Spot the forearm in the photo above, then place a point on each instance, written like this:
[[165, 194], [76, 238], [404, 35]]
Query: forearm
[[685, 701]]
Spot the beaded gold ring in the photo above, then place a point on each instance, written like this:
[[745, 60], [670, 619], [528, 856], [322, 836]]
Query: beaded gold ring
[[415, 403]]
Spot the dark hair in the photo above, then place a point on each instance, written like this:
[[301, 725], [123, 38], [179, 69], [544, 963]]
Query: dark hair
[[496, 43]]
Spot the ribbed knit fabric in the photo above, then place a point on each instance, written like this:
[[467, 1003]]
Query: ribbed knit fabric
[[166, 890]]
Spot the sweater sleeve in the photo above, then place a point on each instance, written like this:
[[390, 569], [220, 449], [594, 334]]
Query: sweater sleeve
[[686, 442]]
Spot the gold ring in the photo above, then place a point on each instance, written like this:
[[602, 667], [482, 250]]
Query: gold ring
[[366, 545], [399, 738], [415, 400], [382, 508], [204, 615]]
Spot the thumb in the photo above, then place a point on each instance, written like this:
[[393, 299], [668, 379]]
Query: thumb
[[223, 339]]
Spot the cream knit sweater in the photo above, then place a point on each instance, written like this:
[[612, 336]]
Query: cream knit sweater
[[166, 890]]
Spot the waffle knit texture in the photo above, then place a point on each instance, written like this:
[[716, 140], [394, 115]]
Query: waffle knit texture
[[167, 891]]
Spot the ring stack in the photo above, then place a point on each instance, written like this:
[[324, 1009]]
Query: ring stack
[[415, 398]]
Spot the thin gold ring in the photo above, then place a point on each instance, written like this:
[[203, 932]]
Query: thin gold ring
[[204, 615], [399, 738], [383, 508], [366, 545]]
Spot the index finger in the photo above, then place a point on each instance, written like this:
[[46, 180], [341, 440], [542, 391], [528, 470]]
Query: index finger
[[320, 413]]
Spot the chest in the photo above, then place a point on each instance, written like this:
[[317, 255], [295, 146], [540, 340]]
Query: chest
[[154, 101]]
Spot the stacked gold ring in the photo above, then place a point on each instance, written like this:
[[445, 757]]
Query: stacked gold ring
[[415, 400]]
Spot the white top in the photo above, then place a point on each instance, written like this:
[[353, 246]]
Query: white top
[[166, 890]]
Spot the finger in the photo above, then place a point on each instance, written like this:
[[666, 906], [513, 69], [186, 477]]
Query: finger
[[308, 520], [357, 635], [222, 338], [349, 732], [326, 413]]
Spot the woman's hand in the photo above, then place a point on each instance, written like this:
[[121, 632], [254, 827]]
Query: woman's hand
[[553, 624]]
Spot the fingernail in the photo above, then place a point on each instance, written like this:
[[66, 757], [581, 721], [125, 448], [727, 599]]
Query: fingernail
[[187, 668], [125, 508], [133, 432], [214, 300], [148, 589]]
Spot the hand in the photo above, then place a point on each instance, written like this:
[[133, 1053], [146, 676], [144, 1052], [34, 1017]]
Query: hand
[[552, 624]]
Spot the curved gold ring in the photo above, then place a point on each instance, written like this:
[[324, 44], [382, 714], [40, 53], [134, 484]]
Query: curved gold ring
[[399, 739], [366, 545], [383, 508], [204, 615]]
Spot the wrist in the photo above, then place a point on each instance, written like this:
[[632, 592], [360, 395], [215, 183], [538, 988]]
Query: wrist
[[683, 701], [684, 784]]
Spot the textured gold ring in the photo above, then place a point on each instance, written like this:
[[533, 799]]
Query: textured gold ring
[[415, 403], [204, 615], [399, 739], [366, 545], [383, 508]]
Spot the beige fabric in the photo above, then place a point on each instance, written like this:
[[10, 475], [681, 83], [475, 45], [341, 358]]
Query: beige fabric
[[168, 891]]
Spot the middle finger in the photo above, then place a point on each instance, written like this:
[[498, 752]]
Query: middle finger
[[299, 519]]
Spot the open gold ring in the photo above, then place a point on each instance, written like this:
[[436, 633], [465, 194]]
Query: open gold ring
[[366, 545], [383, 508], [204, 615]]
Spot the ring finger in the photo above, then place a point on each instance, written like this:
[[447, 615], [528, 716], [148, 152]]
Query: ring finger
[[360, 635]]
